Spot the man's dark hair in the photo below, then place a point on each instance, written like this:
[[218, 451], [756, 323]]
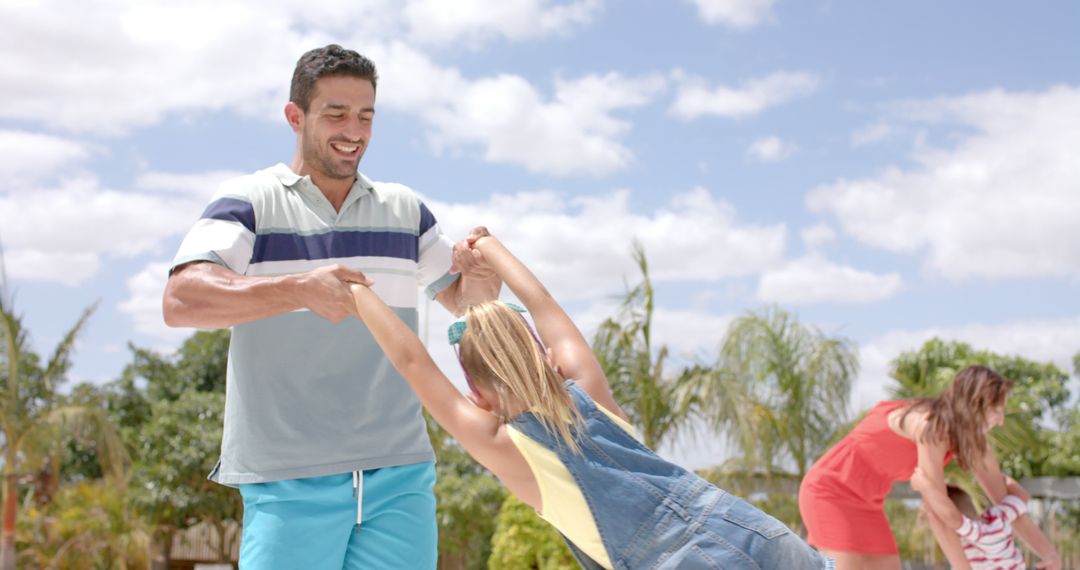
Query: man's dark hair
[[321, 62]]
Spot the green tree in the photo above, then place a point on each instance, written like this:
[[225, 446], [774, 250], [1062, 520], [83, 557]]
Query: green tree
[[523, 541], [88, 525], [779, 391], [469, 498], [32, 420], [174, 425], [623, 346]]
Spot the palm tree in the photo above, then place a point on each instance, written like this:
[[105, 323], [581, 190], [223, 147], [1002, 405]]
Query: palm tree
[[623, 346], [779, 390], [31, 420]]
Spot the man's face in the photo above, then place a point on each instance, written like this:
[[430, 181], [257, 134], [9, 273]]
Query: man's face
[[337, 126]]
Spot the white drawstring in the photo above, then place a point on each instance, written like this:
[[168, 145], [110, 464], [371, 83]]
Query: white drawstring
[[358, 492]]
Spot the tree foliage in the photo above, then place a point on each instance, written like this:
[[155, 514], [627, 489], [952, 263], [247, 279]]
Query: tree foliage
[[34, 423], [634, 367], [469, 498], [523, 541], [779, 390]]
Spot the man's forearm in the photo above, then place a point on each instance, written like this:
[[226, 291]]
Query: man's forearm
[[1033, 536], [206, 295]]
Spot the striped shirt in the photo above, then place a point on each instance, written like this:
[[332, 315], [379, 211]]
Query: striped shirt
[[306, 397], [988, 542]]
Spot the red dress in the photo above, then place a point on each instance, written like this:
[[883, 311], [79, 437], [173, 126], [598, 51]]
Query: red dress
[[842, 497]]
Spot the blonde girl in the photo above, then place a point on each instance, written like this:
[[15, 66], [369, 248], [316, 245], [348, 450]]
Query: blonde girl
[[564, 447]]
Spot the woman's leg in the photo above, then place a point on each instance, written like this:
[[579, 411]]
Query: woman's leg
[[857, 561]]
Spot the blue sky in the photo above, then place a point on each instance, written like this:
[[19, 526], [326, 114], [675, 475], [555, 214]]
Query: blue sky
[[889, 171]]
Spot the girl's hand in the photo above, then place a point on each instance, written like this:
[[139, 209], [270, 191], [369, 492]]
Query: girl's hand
[[477, 233], [468, 260]]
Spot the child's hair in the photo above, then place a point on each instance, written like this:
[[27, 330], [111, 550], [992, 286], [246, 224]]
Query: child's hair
[[963, 501], [500, 351], [958, 415]]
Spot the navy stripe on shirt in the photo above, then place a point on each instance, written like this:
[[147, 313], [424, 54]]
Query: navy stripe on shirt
[[232, 210], [427, 219], [290, 247]]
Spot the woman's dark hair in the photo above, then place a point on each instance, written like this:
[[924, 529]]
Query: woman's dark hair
[[957, 417]]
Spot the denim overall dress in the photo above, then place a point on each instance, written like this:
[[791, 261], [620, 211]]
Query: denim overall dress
[[651, 513]]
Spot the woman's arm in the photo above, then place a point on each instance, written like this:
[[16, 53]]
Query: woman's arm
[[474, 428], [943, 515], [569, 349], [988, 474]]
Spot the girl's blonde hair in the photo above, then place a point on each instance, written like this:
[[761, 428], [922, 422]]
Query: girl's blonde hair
[[499, 351], [958, 416]]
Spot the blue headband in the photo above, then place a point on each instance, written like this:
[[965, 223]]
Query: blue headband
[[457, 328]]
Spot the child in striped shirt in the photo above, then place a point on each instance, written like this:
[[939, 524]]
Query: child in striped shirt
[[987, 538]]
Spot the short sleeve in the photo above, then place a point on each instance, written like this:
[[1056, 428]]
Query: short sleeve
[[224, 233], [434, 253], [1010, 508]]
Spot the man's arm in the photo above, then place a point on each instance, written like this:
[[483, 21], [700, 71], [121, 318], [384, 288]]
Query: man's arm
[[208, 295]]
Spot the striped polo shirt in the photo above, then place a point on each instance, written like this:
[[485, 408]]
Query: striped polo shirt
[[988, 542], [306, 397]]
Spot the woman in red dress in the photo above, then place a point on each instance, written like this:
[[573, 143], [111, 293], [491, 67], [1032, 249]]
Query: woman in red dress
[[842, 498]]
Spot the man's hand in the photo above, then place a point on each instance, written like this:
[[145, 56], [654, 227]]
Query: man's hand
[[325, 291]]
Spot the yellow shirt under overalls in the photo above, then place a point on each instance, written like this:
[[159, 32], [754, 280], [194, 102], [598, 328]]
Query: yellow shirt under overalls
[[563, 504]]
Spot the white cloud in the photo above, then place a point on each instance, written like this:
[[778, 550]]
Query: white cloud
[[581, 247], [201, 185], [475, 21], [27, 157], [740, 14], [135, 62], [770, 149], [814, 279], [871, 134], [817, 235], [1051, 340], [507, 120], [1001, 203], [131, 63], [61, 234], [143, 305], [695, 98], [690, 335]]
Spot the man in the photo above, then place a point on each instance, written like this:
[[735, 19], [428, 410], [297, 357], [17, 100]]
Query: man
[[323, 438]]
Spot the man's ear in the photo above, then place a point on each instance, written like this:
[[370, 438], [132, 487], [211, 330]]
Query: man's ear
[[295, 116]]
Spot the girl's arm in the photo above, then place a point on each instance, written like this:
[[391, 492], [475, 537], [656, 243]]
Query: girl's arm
[[988, 474], [570, 351], [949, 542], [474, 428]]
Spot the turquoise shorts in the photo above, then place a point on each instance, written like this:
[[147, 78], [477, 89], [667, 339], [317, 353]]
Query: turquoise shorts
[[312, 523]]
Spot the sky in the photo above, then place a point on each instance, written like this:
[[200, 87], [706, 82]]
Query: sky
[[888, 171]]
